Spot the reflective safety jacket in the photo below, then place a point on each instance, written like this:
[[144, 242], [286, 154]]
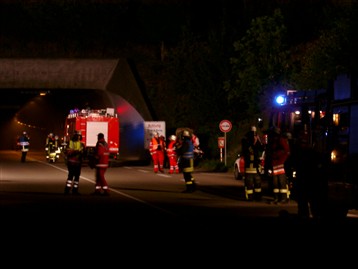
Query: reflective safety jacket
[[102, 154]]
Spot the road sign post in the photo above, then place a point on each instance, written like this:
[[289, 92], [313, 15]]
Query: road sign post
[[225, 126], [221, 145]]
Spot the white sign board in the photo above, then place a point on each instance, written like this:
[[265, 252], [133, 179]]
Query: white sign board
[[93, 128], [150, 127]]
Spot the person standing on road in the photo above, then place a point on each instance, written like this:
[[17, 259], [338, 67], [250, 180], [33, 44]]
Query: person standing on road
[[24, 142], [101, 156], [279, 151], [156, 149], [312, 159], [73, 158], [251, 149], [186, 164], [172, 155], [51, 144]]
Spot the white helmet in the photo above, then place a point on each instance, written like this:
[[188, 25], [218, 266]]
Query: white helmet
[[155, 133], [253, 128], [186, 133], [173, 138]]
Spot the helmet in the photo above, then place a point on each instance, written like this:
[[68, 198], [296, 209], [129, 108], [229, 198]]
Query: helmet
[[155, 133], [186, 133], [253, 128], [24, 133], [173, 138]]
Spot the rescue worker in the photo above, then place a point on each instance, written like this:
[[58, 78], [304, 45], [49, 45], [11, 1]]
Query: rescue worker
[[24, 142], [101, 154], [51, 144], [156, 149], [279, 150], [311, 160], [172, 155], [186, 154], [164, 142], [252, 147], [74, 155], [198, 153], [195, 140]]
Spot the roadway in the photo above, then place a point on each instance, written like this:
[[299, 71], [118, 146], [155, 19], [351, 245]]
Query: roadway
[[142, 204]]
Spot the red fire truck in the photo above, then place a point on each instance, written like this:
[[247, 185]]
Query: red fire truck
[[335, 112], [90, 122]]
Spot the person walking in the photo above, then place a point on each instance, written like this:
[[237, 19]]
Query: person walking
[[278, 150], [101, 155], [74, 158], [24, 142], [186, 155], [156, 149], [172, 155], [252, 147], [51, 144]]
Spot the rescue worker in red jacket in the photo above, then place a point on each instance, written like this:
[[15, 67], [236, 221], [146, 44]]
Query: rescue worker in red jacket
[[101, 156], [156, 149], [172, 155], [279, 150]]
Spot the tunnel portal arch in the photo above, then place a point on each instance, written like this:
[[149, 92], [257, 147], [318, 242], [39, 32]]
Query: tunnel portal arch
[[112, 76]]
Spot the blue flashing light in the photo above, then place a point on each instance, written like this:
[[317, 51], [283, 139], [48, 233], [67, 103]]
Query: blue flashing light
[[280, 100]]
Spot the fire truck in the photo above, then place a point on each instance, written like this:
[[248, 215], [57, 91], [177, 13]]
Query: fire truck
[[334, 113], [88, 123]]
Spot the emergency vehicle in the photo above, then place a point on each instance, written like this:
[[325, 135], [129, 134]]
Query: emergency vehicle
[[88, 123], [334, 114]]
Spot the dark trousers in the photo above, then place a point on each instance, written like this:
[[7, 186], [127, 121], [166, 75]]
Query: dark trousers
[[23, 156], [74, 172]]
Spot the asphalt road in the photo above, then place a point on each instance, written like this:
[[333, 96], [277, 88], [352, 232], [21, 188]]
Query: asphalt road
[[144, 209]]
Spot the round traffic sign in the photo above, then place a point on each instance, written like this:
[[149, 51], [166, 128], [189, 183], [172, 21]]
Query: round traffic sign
[[225, 126]]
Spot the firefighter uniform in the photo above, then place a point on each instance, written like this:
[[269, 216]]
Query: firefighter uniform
[[74, 156], [51, 144], [251, 148], [24, 142], [279, 150], [156, 149], [186, 154], [172, 155]]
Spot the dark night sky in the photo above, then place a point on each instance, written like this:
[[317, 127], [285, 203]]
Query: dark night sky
[[144, 21]]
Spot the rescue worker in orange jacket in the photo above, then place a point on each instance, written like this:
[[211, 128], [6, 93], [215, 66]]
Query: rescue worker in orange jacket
[[279, 150], [172, 155], [156, 149], [101, 156]]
